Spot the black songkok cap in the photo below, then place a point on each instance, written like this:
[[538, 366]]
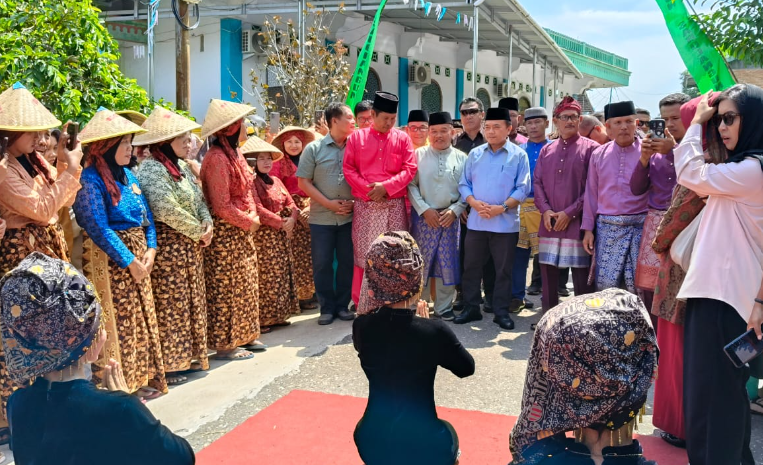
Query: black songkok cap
[[509, 103], [619, 109], [386, 102], [497, 114], [418, 116], [440, 118]]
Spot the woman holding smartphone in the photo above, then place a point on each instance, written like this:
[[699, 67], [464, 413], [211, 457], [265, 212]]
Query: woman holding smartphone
[[724, 283]]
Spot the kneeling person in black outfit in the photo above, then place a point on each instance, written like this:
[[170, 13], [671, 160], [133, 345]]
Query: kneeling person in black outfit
[[400, 354], [51, 331], [592, 362]]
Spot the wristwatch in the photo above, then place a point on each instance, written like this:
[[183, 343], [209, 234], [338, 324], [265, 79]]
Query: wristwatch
[[505, 207]]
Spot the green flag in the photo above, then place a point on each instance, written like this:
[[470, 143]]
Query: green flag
[[702, 59], [358, 82]]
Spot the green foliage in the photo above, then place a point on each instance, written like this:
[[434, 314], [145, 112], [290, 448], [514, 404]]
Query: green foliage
[[64, 55], [736, 27], [304, 84], [688, 86]]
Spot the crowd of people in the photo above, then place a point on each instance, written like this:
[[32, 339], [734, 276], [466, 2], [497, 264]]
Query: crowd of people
[[183, 257]]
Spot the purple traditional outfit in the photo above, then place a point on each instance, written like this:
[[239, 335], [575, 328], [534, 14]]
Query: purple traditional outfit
[[435, 186], [617, 214], [559, 185]]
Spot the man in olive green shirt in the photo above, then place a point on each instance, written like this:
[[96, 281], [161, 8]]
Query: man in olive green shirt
[[321, 176]]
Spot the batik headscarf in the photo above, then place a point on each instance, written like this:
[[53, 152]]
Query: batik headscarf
[[567, 103], [394, 269], [592, 362], [227, 138], [50, 313], [102, 155]]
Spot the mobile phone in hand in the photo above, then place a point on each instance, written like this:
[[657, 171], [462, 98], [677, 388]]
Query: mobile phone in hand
[[744, 348], [657, 128], [275, 122], [73, 130], [318, 117]]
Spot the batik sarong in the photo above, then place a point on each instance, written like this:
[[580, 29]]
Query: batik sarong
[[529, 224], [439, 248], [563, 253], [302, 253], [618, 238], [370, 220], [648, 266]]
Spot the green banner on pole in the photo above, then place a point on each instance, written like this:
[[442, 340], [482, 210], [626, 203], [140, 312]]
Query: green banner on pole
[[358, 82], [702, 59]]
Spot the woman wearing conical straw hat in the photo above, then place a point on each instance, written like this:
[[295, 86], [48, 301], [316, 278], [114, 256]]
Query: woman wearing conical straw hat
[[292, 140], [230, 262], [33, 191], [279, 216], [183, 228], [119, 251]]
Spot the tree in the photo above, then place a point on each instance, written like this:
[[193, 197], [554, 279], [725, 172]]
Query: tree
[[63, 54], [306, 84], [688, 86], [736, 27]]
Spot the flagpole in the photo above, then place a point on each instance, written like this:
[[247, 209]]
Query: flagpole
[[704, 29]]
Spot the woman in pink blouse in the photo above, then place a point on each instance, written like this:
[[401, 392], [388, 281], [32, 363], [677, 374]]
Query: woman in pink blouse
[[230, 261]]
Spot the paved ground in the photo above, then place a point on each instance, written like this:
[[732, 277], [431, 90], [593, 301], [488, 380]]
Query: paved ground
[[322, 358]]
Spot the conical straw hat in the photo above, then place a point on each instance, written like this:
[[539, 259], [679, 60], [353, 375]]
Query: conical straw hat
[[134, 116], [163, 125], [221, 114], [20, 111], [105, 125], [278, 140], [256, 145]]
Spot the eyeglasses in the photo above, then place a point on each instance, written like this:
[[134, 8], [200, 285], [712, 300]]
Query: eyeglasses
[[470, 111], [566, 118], [418, 128], [363, 120], [727, 118], [643, 123]]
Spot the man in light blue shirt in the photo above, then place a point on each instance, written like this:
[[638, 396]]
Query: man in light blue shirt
[[496, 180]]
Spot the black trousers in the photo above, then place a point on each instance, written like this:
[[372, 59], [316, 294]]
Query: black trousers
[[551, 283], [716, 405], [480, 247], [488, 271]]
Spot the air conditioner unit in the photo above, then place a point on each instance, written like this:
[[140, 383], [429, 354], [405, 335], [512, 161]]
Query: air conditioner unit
[[502, 90], [246, 43], [419, 75]]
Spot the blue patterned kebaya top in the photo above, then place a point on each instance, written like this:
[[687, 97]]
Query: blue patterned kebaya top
[[100, 218]]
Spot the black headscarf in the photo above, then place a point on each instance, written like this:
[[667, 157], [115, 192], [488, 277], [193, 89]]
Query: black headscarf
[[749, 101], [264, 176], [117, 171]]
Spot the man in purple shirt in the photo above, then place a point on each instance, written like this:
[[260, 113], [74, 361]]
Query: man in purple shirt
[[559, 184], [655, 175], [611, 210]]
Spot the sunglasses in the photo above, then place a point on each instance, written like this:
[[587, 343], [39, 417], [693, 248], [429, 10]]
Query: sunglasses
[[727, 118], [644, 123], [471, 111]]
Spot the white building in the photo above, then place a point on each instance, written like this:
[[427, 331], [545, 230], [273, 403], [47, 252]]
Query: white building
[[515, 55]]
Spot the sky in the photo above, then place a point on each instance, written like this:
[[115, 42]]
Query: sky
[[634, 29]]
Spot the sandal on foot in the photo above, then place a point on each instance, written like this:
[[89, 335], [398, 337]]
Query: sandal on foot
[[307, 305], [175, 379], [265, 329], [238, 354], [148, 393], [255, 346]]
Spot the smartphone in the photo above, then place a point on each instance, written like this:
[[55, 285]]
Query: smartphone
[[657, 128], [73, 130], [553, 222], [275, 122], [744, 348], [318, 117]]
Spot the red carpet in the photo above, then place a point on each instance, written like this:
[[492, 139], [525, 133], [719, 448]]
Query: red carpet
[[312, 428]]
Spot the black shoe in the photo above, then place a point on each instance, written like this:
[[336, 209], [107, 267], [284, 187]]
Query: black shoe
[[458, 304], [504, 322], [564, 292], [516, 305], [352, 307], [470, 314], [487, 307], [673, 440], [345, 315], [533, 290], [447, 315], [529, 304], [325, 319]]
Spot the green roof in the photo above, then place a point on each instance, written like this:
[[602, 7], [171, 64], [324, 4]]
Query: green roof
[[593, 61]]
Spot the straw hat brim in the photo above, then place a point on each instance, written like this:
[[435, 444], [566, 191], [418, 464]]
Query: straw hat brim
[[20, 111], [219, 117], [106, 125], [256, 145], [278, 140], [164, 125], [134, 116]]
